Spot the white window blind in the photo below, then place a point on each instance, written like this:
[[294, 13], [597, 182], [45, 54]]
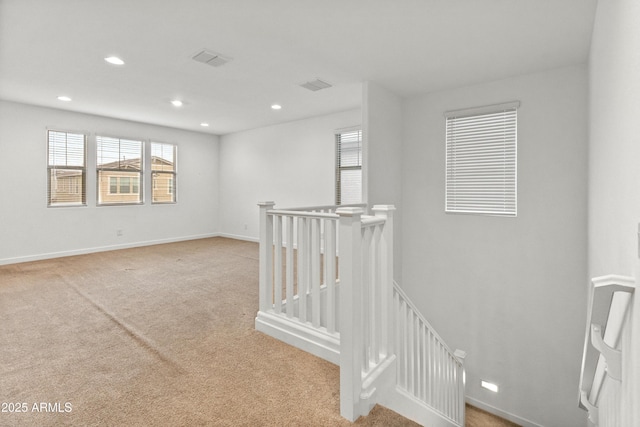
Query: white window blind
[[66, 160], [349, 167], [481, 160], [119, 167], [163, 170]]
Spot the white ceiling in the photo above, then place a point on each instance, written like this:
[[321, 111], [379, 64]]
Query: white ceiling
[[56, 47]]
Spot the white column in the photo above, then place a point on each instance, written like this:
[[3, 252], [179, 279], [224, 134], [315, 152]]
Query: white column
[[266, 256], [349, 229], [461, 355], [386, 276]]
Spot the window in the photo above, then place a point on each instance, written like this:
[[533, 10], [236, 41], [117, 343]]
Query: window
[[123, 185], [481, 160], [163, 167], [119, 165], [349, 167], [66, 167], [113, 185]]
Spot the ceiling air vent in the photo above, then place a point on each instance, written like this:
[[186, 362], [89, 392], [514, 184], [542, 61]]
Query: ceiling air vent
[[211, 58], [315, 85]]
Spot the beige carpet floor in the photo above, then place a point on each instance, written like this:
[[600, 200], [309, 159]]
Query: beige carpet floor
[[155, 336]]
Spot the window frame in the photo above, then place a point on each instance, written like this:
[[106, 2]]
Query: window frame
[[481, 160], [338, 135], [172, 190], [127, 173], [82, 169]]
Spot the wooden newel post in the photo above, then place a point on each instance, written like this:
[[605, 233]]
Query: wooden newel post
[[350, 250], [386, 272], [266, 256]]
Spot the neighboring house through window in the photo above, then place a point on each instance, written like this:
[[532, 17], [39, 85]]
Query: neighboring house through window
[[349, 167], [123, 185], [119, 167], [66, 160], [163, 171], [481, 160]]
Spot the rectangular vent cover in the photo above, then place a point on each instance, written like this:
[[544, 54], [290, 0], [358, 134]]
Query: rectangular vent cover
[[211, 58], [315, 85]]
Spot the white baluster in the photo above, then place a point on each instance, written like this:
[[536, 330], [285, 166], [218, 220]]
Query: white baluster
[[410, 338], [289, 262], [431, 370], [303, 269], [376, 296], [330, 273], [405, 344], [416, 374], [277, 264], [366, 296], [425, 366], [315, 271]]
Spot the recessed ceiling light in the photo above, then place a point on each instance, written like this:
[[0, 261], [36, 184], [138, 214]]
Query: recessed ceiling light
[[276, 107], [204, 124], [114, 60], [489, 386], [64, 98], [176, 103]]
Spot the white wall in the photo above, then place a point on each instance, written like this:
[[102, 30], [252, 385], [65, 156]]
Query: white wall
[[509, 291], [30, 230], [382, 170], [292, 164], [614, 179]]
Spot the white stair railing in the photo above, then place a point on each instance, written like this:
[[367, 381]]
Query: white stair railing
[[367, 359], [427, 369], [298, 289], [349, 313]]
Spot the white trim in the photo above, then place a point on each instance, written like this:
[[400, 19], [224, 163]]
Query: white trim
[[51, 255], [486, 109], [500, 413], [348, 129], [239, 237]]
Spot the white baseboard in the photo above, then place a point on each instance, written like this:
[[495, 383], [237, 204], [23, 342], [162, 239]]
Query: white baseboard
[[51, 255], [239, 237], [506, 415]]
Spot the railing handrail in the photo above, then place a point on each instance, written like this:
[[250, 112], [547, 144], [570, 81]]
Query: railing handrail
[[302, 214], [418, 313], [600, 319], [326, 207], [371, 221]]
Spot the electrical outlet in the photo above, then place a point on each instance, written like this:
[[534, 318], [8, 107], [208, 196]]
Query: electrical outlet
[[245, 226], [119, 232]]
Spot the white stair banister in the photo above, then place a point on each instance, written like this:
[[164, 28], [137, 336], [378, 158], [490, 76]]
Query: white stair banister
[[351, 312], [367, 359], [266, 256], [386, 275], [349, 229], [461, 355]]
